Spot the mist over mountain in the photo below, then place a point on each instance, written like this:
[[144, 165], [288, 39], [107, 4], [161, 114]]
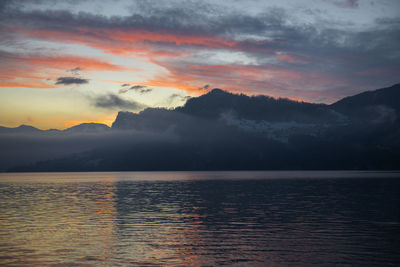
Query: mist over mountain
[[221, 131]]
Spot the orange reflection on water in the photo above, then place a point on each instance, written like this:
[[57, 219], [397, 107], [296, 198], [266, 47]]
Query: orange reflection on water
[[48, 223]]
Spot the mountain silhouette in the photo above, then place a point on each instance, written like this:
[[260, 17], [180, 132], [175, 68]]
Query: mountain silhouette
[[389, 96], [217, 101], [88, 128], [20, 129], [224, 131], [375, 106]]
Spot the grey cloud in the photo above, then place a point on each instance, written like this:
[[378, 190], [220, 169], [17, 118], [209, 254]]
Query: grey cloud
[[332, 48], [188, 18], [134, 87], [75, 71], [71, 80], [179, 97], [111, 101], [346, 3], [145, 91], [137, 88], [272, 24], [176, 99], [205, 87]]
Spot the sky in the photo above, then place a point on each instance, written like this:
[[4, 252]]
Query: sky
[[67, 62]]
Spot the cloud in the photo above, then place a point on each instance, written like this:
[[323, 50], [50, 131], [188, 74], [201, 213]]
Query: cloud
[[27, 84], [75, 71], [71, 80], [26, 70], [346, 3], [60, 62], [180, 97], [145, 91], [112, 101], [176, 98], [173, 35], [137, 88], [205, 87]]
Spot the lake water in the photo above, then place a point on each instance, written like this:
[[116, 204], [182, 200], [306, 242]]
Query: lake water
[[200, 219]]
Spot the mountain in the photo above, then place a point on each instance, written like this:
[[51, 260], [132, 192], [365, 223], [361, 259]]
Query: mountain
[[150, 119], [26, 145], [372, 106], [217, 102], [225, 131], [389, 96], [22, 129], [88, 128], [80, 128]]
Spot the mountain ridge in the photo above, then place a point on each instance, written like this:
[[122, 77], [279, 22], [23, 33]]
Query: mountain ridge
[[224, 131], [374, 97]]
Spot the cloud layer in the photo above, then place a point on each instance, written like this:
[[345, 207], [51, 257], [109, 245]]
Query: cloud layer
[[316, 51]]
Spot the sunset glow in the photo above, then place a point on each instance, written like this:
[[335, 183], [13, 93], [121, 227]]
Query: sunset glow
[[56, 59]]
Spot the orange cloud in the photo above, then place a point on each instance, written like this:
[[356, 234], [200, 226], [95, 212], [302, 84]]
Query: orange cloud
[[159, 47], [271, 80], [68, 62], [27, 84], [107, 38], [147, 43], [291, 59], [31, 69], [165, 37], [110, 41]]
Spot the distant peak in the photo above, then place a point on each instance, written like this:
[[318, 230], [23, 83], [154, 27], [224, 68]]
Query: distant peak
[[88, 127], [89, 124], [24, 126]]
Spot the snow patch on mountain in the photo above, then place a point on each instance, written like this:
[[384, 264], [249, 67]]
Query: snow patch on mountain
[[279, 131]]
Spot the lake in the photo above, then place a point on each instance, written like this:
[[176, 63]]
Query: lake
[[200, 219]]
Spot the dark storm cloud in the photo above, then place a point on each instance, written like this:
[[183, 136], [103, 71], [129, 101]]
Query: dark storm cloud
[[111, 101], [71, 80]]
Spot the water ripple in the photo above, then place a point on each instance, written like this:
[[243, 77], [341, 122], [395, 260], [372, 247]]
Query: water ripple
[[115, 221]]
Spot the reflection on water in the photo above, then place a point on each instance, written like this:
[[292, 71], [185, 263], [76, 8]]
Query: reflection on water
[[159, 218]]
